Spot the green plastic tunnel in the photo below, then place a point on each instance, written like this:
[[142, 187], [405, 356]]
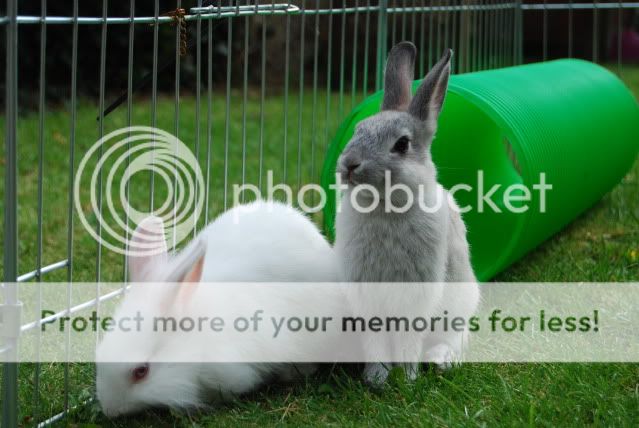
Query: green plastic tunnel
[[571, 120]]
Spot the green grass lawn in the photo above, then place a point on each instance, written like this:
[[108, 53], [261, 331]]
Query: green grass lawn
[[601, 245]]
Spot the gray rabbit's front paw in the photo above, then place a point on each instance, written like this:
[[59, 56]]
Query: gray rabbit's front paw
[[375, 374], [411, 370]]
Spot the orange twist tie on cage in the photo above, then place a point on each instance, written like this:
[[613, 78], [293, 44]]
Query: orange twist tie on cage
[[178, 17]]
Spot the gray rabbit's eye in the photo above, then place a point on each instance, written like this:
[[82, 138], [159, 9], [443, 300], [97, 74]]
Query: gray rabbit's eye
[[401, 145]]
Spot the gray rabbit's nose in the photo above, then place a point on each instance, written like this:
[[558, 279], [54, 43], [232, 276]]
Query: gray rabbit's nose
[[352, 166], [349, 164]]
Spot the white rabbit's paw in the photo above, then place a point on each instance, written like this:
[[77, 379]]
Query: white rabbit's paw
[[442, 356], [411, 370], [375, 374]]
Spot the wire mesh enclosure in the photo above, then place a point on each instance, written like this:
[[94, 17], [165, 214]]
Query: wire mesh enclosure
[[254, 89]]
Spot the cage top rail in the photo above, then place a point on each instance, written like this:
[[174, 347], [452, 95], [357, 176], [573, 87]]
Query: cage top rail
[[215, 12], [581, 6]]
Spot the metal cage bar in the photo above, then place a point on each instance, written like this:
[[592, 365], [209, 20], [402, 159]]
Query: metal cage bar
[[10, 247]]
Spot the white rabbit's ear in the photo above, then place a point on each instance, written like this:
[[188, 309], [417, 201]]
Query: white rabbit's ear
[[430, 96], [147, 249], [398, 78], [188, 287], [186, 270], [188, 264], [195, 274]]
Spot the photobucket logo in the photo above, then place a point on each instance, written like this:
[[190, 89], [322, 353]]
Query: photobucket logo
[[399, 198], [121, 155]]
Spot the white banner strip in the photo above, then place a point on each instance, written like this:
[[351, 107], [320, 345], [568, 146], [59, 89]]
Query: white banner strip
[[307, 322]]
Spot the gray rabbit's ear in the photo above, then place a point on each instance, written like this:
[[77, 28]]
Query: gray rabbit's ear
[[147, 249], [430, 96], [398, 79]]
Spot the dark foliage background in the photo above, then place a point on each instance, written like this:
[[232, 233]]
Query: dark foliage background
[[59, 49], [59, 46], [60, 38]]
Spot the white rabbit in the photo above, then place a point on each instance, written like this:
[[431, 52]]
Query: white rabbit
[[415, 245], [262, 241]]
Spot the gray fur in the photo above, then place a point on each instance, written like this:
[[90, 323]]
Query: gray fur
[[413, 246]]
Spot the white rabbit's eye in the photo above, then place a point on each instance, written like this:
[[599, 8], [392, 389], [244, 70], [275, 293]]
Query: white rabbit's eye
[[401, 145], [139, 373]]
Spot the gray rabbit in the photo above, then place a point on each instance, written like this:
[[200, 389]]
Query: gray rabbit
[[425, 241]]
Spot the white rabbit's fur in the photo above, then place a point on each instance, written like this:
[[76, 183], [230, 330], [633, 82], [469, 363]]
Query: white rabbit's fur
[[265, 242], [413, 246]]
